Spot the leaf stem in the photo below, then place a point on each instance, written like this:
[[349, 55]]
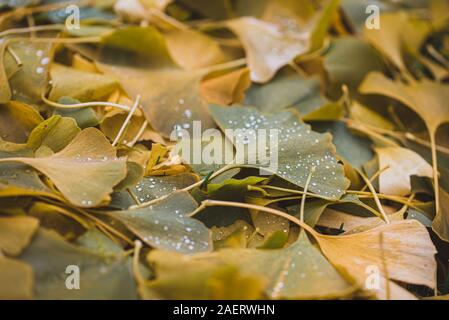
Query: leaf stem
[[376, 198], [127, 120], [435, 172], [375, 176], [139, 134], [217, 203], [197, 184], [136, 270], [85, 104], [303, 199]]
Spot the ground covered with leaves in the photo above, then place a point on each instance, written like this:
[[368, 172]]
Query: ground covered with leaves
[[94, 203]]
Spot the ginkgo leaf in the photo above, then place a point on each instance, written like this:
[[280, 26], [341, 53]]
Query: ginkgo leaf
[[399, 32], [441, 221], [16, 233], [203, 51], [428, 99], [80, 85], [402, 163], [17, 120], [363, 59], [297, 272], [85, 171], [165, 224], [288, 89], [299, 148], [270, 45], [101, 276], [30, 81], [218, 9], [147, 69], [226, 89], [401, 251], [267, 49], [180, 277], [16, 278], [84, 117], [150, 188], [55, 133]]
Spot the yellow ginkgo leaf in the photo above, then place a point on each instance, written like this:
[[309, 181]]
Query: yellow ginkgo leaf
[[16, 278], [401, 164], [400, 250], [16, 233], [85, 171]]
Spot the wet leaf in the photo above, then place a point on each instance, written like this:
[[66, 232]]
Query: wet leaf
[[97, 169], [295, 160], [165, 225]]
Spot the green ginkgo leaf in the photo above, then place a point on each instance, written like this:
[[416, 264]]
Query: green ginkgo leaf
[[165, 224], [150, 188], [85, 171], [299, 148]]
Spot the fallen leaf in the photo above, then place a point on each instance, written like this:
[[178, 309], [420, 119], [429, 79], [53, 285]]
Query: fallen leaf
[[85, 171], [402, 163]]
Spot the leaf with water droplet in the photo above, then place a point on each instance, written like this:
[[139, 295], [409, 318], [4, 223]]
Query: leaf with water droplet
[[85, 171], [150, 188], [299, 148], [29, 82], [165, 224]]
